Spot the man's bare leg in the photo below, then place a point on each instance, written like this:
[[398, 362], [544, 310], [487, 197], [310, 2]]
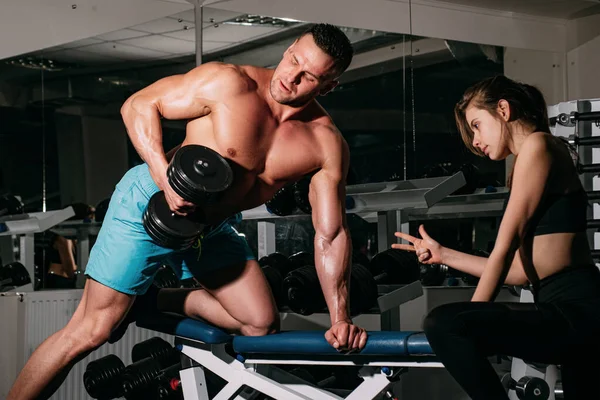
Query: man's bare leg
[[99, 311], [237, 299]]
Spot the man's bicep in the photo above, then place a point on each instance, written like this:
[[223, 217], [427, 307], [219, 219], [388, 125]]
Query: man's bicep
[[183, 96], [326, 196]]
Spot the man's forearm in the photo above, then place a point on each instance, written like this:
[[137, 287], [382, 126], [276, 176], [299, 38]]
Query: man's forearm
[[142, 121], [332, 261]]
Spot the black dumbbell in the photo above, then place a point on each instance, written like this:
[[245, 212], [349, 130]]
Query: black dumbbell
[[157, 349], [14, 274], [101, 209], [10, 205], [138, 378], [276, 266], [301, 190], [282, 203], [528, 387], [199, 175], [304, 295], [168, 384], [395, 267], [102, 378], [432, 274], [166, 278]]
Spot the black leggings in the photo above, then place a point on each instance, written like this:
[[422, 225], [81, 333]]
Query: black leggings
[[463, 335]]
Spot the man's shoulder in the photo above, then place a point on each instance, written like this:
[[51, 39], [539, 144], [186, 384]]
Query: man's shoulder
[[229, 78]]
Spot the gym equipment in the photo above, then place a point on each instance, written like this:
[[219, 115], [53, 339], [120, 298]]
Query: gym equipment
[[14, 275], [395, 267], [166, 278], [571, 118], [588, 168], [300, 259], [197, 174], [138, 378], [432, 274], [304, 295], [282, 203], [527, 388], [10, 205], [102, 378], [101, 209], [168, 384], [301, 189], [276, 266], [252, 361], [157, 349]]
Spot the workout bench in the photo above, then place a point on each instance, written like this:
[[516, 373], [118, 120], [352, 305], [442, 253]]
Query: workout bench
[[252, 362]]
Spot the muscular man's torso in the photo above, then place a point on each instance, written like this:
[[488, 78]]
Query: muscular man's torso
[[264, 153]]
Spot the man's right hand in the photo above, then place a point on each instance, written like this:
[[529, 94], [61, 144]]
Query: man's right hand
[[176, 203], [428, 250]]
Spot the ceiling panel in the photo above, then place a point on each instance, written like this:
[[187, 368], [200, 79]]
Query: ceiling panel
[[209, 15], [235, 33], [124, 51], [163, 43], [81, 43], [542, 8], [163, 25], [120, 35], [83, 57], [188, 34]]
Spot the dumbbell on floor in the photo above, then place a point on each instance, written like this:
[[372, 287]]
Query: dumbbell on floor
[[528, 387], [199, 175], [102, 378]]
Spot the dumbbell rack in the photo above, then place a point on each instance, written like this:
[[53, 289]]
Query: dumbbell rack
[[393, 205], [25, 226], [578, 121], [574, 121]]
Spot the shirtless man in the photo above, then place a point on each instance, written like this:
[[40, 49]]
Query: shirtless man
[[267, 123]]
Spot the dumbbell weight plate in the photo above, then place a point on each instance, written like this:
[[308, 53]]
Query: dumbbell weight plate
[[301, 189], [282, 203], [199, 174], [168, 229]]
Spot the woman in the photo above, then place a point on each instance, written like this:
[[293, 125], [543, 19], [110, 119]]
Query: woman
[[541, 239]]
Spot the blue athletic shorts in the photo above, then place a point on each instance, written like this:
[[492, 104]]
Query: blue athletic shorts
[[126, 259]]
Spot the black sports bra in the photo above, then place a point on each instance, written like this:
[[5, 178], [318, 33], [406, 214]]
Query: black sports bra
[[560, 213]]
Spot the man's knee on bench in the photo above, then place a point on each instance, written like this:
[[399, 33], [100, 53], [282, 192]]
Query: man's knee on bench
[[260, 323]]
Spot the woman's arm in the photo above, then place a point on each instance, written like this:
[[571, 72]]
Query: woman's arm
[[530, 178], [475, 265]]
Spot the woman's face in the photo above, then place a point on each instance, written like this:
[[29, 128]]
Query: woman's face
[[487, 133]]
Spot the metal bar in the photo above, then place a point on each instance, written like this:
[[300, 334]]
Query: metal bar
[[445, 189], [587, 141], [586, 116], [198, 11], [593, 223], [593, 195], [266, 238]]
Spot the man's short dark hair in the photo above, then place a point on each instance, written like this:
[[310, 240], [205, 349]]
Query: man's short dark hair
[[334, 42]]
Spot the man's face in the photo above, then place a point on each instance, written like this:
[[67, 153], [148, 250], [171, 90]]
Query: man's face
[[304, 72]]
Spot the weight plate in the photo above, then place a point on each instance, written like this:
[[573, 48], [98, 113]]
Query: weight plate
[[197, 173]]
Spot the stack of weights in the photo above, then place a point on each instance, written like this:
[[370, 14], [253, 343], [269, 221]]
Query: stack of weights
[[390, 267], [277, 266], [102, 378], [154, 372]]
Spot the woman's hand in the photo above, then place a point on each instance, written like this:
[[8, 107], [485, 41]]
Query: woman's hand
[[428, 250]]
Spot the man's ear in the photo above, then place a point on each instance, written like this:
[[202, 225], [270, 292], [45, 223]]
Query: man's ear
[[328, 87]]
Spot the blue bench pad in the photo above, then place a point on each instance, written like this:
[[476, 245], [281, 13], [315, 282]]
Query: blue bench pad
[[379, 343]]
